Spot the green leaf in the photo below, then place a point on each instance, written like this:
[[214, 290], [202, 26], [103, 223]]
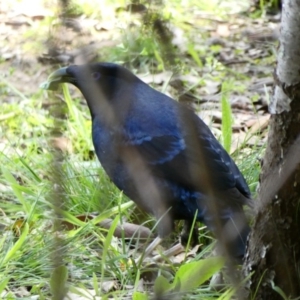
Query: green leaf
[[139, 296], [192, 275], [161, 285]]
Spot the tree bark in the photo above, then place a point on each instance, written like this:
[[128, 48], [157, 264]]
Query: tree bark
[[273, 257]]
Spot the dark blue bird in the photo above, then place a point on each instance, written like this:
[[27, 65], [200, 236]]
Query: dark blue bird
[[161, 154]]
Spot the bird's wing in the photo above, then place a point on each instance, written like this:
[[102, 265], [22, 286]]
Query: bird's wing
[[157, 150], [168, 156]]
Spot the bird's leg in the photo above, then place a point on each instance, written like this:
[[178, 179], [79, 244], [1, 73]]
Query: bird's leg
[[186, 231]]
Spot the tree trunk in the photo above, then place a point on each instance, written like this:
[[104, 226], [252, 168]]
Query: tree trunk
[[274, 244]]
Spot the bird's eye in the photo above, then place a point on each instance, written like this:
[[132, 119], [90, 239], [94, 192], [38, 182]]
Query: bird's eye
[[96, 75]]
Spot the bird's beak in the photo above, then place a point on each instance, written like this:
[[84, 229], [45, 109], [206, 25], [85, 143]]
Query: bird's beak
[[57, 77]]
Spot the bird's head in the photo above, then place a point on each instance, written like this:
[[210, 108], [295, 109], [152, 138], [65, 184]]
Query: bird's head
[[98, 82], [106, 75]]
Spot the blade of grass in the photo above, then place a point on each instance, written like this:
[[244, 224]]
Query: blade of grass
[[3, 284], [227, 119], [10, 254], [75, 114], [107, 243], [17, 189]]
